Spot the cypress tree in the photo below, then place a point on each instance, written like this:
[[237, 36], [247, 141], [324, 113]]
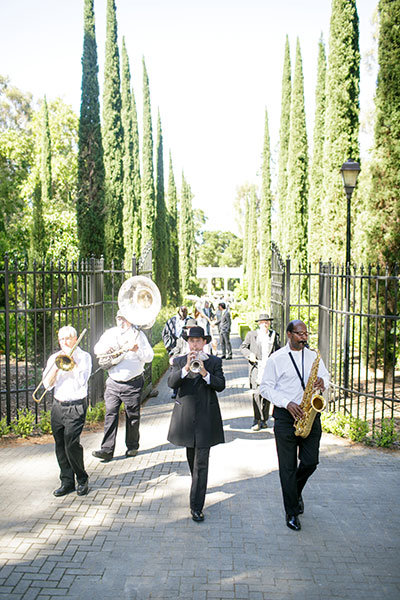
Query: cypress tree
[[113, 141], [172, 220], [252, 254], [42, 190], [161, 238], [137, 182], [148, 194], [284, 130], [315, 231], [341, 121], [90, 198], [297, 192], [187, 250], [130, 205], [265, 219], [384, 200]]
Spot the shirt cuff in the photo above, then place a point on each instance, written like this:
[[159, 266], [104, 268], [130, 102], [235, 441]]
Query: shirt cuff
[[207, 378], [184, 372]]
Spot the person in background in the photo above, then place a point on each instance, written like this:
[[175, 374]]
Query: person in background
[[224, 328], [173, 329], [68, 412], [257, 346]]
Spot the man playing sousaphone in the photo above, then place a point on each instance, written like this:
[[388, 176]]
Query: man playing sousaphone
[[128, 350], [69, 408]]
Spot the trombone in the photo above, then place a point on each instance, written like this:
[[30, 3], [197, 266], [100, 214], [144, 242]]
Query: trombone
[[65, 362]]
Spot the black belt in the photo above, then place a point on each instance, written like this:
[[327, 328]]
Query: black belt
[[71, 403], [130, 380]]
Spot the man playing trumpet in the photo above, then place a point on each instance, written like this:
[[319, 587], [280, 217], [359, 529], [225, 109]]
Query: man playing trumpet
[[68, 411], [132, 351]]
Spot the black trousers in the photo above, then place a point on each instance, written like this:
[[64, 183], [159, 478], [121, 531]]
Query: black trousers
[[298, 457], [260, 407], [129, 393], [198, 465], [67, 423], [226, 344]]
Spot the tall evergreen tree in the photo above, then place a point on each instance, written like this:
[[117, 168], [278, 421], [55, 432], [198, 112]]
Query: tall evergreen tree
[[42, 190], [187, 250], [315, 231], [341, 121], [90, 198], [283, 151], [297, 192], [384, 199], [252, 253], [130, 204], [172, 221], [265, 219], [113, 140], [148, 193], [161, 237], [137, 181]]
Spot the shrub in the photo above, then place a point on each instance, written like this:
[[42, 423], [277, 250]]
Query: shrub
[[345, 426], [4, 428], [24, 423], [160, 362], [387, 435], [45, 421], [96, 413], [358, 429]]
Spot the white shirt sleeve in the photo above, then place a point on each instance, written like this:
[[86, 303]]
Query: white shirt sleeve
[[268, 385]]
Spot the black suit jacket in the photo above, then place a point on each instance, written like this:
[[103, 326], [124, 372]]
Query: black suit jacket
[[196, 417]]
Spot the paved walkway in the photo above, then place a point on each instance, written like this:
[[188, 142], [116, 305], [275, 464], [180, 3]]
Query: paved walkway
[[132, 537]]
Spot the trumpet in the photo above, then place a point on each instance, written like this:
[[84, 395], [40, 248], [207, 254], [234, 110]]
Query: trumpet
[[197, 362], [63, 361]]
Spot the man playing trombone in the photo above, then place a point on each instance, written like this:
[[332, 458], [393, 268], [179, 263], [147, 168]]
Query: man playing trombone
[[69, 408]]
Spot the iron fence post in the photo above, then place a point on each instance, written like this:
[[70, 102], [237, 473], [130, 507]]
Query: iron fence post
[[97, 324], [324, 306]]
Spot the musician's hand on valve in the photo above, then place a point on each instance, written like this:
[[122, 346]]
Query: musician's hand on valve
[[319, 384], [295, 410], [190, 357], [134, 348]]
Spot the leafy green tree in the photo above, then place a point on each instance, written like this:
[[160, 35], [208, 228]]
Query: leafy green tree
[[90, 193], [15, 107], [130, 210], [187, 249], [315, 229], [220, 248], [341, 121], [161, 233], [172, 216], [113, 142], [148, 193], [297, 171], [283, 152], [265, 218]]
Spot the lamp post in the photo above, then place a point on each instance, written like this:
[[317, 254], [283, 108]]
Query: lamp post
[[349, 170]]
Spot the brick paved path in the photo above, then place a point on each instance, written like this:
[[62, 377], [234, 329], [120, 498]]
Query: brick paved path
[[132, 537]]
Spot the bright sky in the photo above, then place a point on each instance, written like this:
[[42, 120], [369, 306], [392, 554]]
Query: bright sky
[[214, 67]]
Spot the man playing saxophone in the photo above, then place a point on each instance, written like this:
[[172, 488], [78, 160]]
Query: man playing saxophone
[[283, 383], [68, 411]]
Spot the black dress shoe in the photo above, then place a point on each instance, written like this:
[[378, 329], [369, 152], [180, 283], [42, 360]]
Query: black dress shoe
[[301, 505], [82, 488], [229, 358], [292, 521], [223, 356], [101, 454], [197, 515], [63, 490], [131, 453]]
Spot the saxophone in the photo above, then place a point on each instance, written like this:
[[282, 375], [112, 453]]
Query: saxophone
[[311, 403]]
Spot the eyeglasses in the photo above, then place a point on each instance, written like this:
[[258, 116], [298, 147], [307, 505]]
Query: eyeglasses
[[301, 333]]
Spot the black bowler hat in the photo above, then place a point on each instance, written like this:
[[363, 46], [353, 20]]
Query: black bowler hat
[[264, 317], [196, 332]]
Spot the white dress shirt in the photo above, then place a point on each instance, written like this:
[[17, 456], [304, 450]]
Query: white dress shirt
[[280, 382], [73, 384], [133, 363]]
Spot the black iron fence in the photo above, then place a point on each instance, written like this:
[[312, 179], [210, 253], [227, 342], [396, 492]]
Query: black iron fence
[[354, 319], [35, 302]]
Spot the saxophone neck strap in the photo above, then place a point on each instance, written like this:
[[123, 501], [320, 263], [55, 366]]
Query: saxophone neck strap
[[301, 376]]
